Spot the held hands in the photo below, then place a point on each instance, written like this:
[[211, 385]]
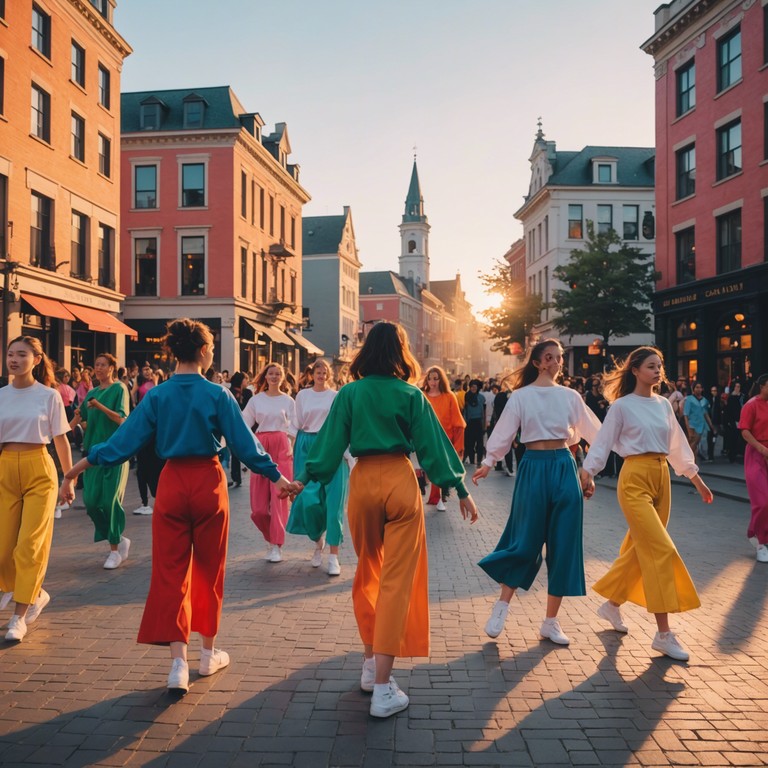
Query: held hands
[[480, 474], [587, 483], [67, 491], [288, 490], [469, 508]]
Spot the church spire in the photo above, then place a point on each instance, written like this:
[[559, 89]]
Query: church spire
[[414, 202]]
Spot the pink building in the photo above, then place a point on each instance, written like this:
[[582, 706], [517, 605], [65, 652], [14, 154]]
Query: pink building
[[711, 60], [211, 226]]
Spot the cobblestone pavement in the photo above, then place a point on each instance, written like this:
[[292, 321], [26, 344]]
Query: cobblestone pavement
[[79, 691]]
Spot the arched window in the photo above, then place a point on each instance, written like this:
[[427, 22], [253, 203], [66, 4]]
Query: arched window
[[411, 246]]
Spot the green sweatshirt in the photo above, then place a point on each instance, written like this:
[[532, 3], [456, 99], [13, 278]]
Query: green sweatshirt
[[383, 414]]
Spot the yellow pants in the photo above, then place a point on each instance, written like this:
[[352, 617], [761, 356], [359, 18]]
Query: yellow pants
[[649, 570], [390, 593], [28, 487]]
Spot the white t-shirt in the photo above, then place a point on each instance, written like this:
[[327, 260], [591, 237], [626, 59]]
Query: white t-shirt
[[312, 409], [272, 414], [541, 413], [636, 425], [31, 414]]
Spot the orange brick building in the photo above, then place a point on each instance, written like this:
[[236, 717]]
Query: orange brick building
[[60, 65]]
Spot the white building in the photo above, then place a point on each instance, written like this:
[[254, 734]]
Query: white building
[[611, 186]]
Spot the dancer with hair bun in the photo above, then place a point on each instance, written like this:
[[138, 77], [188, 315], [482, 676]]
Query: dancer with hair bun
[[191, 514], [642, 428], [31, 416], [547, 502]]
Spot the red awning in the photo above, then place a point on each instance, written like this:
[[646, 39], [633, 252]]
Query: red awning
[[98, 320], [48, 307]]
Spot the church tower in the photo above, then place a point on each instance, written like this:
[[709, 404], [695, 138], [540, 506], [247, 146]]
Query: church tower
[[414, 235]]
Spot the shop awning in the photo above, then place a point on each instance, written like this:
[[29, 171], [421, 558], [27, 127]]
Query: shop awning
[[98, 320], [48, 307], [270, 332], [306, 344]]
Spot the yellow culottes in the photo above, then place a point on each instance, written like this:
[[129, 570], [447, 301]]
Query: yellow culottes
[[28, 487], [649, 570], [390, 593]]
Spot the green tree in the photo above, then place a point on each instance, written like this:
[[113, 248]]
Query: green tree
[[516, 313], [610, 286]]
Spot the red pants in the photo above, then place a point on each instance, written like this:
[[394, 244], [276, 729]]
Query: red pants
[[189, 552], [268, 511]]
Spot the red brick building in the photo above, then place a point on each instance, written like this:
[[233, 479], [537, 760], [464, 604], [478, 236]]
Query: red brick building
[[711, 307]]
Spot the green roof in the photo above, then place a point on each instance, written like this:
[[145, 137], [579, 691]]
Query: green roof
[[384, 284], [414, 202], [322, 234], [635, 167]]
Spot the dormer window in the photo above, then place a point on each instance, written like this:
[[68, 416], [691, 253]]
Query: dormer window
[[194, 110], [150, 116], [604, 170]]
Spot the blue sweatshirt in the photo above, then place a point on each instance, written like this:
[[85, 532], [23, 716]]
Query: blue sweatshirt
[[186, 415]]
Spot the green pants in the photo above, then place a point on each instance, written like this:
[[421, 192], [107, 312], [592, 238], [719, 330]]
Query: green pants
[[103, 496]]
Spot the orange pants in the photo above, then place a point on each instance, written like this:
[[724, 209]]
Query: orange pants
[[189, 552], [390, 593]]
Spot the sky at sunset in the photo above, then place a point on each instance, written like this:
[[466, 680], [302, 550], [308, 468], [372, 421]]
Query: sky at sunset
[[361, 82]]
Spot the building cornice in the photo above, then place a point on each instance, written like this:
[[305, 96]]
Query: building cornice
[[103, 27], [677, 25]]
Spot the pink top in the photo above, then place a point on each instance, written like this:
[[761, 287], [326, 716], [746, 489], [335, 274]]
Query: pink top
[[67, 393], [754, 417], [143, 389], [82, 390]]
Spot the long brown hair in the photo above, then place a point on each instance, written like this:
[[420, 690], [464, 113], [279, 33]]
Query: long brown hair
[[759, 381], [529, 372], [43, 371], [621, 381], [386, 352], [260, 385], [443, 384]]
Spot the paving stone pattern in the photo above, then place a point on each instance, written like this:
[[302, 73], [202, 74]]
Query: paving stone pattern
[[80, 692]]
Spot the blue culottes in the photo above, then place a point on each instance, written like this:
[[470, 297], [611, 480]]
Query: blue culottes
[[547, 509], [318, 509]]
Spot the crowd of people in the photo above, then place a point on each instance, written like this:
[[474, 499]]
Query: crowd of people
[[317, 451]]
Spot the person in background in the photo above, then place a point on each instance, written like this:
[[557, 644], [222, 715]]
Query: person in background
[[697, 421], [753, 424], [732, 416], [148, 464], [474, 416], [716, 415], [238, 386]]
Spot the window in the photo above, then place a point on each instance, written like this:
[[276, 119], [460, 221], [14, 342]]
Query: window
[[192, 266], [604, 219], [604, 175], [78, 64], [729, 241], [105, 156], [192, 185], [293, 231], [106, 239], [41, 114], [2, 88], [243, 271], [271, 215], [78, 254], [105, 87], [78, 137], [765, 223], [264, 277], [145, 186], [686, 88], [729, 59], [40, 252], [193, 113], [575, 222], [3, 214], [41, 31], [765, 124], [149, 116], [765, 34], [685, 248], [261, 208], [243, 194], [254, 275], [631, 222], [729, 149], [282, 223], [293, 291], [686, 171], [2, 16], [145, 260]]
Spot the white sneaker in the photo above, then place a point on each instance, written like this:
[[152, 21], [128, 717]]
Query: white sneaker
[[178, 677], [368, 675], [17, 628], [498, 616], [669, 645], [334, 569], [144, 509], [388, 701], [612, 615], [57, 513], [551, 630], [441, 506], [508, 473], [317, 557], [113, 560], [36, 608], [275, 556], [762, 553], [213, 661], [124, 547]]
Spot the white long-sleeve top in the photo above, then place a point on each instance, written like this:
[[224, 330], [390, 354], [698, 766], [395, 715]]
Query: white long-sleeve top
[[311, 409], [541, 413], [272, 414], [636, 425]]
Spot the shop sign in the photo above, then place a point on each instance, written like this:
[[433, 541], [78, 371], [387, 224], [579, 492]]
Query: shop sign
[[687, 299], [724, 290]]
